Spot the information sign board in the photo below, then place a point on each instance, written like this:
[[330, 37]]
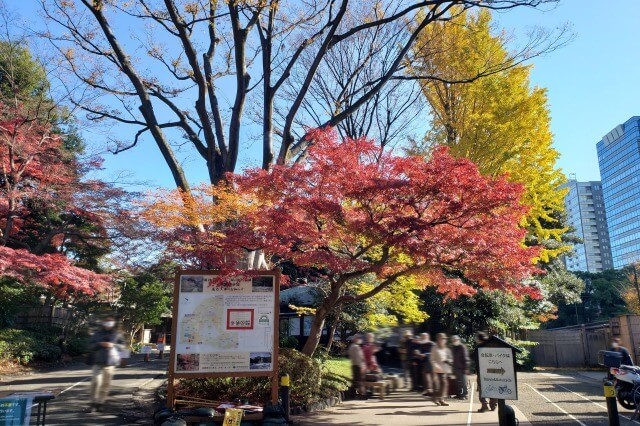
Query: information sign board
[[222, 328], [15, 411], [497, 373]]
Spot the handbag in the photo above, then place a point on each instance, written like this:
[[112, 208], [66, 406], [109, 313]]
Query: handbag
[[114, 356], [89, 358], [372, 377]]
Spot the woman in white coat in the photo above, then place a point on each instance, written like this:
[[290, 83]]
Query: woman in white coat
[[441, 361]]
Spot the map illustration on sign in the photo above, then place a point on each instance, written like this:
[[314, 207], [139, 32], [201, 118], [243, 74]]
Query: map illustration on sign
[[206, 325], [224, 327], [497, 373]]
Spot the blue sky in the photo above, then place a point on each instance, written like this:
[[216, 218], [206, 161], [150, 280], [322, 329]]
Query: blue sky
[[592, 83]]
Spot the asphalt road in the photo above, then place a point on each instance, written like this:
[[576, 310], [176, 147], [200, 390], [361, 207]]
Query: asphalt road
[[544, 398], [565, 398], [130, 400], [560, 398]]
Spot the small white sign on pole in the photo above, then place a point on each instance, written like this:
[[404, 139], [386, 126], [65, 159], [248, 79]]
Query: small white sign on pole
[[497, 373]]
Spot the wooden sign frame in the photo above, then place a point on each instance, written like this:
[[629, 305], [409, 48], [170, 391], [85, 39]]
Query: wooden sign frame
[[273, 373], [494, 342]]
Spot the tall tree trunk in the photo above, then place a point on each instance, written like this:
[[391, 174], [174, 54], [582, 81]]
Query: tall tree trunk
[[316, 331], [332, 332], [317, 325]]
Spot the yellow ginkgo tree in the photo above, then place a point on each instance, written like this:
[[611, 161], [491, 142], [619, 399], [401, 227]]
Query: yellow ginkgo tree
[[498, 120]]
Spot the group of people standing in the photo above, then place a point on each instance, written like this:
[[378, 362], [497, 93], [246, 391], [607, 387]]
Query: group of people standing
[[363, 361], [428, 366]]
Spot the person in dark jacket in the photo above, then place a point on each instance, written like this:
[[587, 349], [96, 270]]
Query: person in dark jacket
[[617, 347], [425, 345], [460, 366], [416, 365], [404, 350], [105, 346]]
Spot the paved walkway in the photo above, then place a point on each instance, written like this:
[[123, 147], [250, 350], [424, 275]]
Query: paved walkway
[[131, 399], [407, 409]]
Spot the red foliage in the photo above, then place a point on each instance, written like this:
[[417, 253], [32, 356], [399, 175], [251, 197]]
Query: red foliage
[[52, 271], [351, 209], [38, 174]]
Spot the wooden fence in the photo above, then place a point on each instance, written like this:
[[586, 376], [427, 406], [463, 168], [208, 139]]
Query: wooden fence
[[47, 315], [578, 346]]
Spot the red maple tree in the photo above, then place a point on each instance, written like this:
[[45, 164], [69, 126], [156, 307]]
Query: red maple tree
[[350, 209], [39, 175]]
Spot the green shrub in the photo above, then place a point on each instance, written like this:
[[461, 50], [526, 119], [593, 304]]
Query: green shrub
[[524, 359], [290, 342], [25, 346], [304, 374], [308, 383], [77, 344]]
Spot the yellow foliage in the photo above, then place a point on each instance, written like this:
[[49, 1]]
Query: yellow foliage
[[302, 310], [630, 297], [400, 303], [498, 121]]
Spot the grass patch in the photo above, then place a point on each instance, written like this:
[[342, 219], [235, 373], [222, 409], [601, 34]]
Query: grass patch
[[339, 367], [336, 374]]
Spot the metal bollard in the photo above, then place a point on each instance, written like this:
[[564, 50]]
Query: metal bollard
[[506, 414], [612, 404], [284, 395]]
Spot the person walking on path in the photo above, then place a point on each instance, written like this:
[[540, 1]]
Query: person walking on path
[[441, 361], [358, 365], [460, 366], [617, 347], [404, 350], [486, 404], [105, 345]]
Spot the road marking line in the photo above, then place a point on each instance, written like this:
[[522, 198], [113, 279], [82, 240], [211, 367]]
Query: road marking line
[[74, 385], [583, 397], [473, 384], [87, 378], [556, 405], [595, 403]]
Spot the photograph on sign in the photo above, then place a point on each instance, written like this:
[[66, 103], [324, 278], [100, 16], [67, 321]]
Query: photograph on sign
[[497, 373], [224, 326], [189, 284]]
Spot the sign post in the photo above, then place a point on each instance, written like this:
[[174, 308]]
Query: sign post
[[224, 327], [498, 379]]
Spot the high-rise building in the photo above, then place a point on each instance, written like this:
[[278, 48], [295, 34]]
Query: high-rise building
[[619, 160], [586, 213]]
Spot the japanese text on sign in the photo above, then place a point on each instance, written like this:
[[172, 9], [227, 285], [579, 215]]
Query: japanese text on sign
[[497, 373]]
